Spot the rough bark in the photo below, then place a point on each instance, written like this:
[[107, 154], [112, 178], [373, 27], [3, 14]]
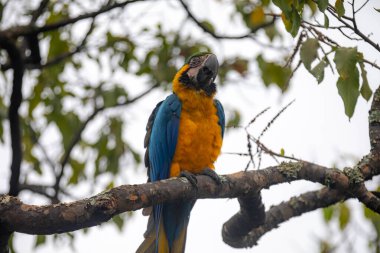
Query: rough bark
[[65, 217]]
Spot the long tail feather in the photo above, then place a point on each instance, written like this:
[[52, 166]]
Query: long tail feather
[[149, 244], [168, 235]]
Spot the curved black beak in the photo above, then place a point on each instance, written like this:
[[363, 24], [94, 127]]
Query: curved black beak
[[208, 71]]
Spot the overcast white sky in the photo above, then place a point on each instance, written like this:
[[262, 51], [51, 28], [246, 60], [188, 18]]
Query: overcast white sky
[[314, 128]]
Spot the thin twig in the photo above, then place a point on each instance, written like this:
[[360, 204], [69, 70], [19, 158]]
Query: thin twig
[[321, 26], [249, 147], [273, 153], [372, 64], [256, 117], [361, 7], [292, 73], [39, 189], [353, 14], [219, 36], [34, 138], [357, 31], [348, 36], [296, 48], [274, 118], [320, 36]]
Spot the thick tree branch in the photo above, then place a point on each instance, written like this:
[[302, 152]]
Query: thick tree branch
[[64, 217], [4, 238], [251, 215], [346, 183], [369, 199], [17, 65], [278, 214], [374, 123]]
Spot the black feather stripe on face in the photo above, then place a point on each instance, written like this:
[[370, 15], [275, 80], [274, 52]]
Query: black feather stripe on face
[[210, 89], [188, 83]]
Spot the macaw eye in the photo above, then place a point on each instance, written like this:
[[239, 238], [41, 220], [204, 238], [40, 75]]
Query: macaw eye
[[195, 62]]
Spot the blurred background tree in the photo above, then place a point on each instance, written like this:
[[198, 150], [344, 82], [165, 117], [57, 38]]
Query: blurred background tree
[[73, 72]]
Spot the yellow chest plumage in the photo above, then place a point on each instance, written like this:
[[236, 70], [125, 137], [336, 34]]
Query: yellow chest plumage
[[199, 138]]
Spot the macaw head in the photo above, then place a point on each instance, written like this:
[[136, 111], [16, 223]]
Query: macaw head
[[201, 73]]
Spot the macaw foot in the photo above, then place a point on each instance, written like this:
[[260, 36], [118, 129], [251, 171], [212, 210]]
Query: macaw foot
[[212, 174], [189, 176], [207, 172]]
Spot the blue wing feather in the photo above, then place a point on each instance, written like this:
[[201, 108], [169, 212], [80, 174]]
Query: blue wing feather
[[220, 113], [163, 139], [162, 144]]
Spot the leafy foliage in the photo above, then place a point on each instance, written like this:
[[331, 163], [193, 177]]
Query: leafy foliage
[[78, 92], [271, 72], [346, 60]]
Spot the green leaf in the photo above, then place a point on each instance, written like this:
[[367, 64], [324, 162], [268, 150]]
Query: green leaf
[[119, 222], [365, 90], [325, 246], [290, 15], [57, 45], [326, 22], [208, 25], [373, 217], [346, 59], [319, 71], [237, 64], [328, 213], [77, 169], [309, 52], [136, 155], [282, 151], [1, 132], [257, 17], [344, 216], [40, 239], [1, 11], [313, 7], [348, 83], [339, 6], [271, 32], [110, 185], [285, 6], [322, 5], [36, 97], [296, 22], [234, 119], [66, 123], [11, 244], [272, 72], [112, 97], [348, 90]]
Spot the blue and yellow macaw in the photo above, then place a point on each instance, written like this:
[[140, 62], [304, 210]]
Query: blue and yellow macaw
[[184, 137]]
